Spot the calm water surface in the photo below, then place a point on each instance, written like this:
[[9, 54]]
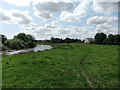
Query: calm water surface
[[35, 49]]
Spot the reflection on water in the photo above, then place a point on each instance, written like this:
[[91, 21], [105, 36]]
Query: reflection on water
[[42, 47], [35, 49]]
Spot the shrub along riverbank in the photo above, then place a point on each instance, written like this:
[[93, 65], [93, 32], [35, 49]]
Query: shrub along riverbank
[[21, 41]]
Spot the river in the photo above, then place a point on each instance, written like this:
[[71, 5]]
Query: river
[[35, 49]]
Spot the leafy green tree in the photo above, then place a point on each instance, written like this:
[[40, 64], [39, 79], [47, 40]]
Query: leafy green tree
[[56, 40], [15, 44], [3, 47], [21, 36], [28, 39], [105, 41], [31, 44], [3, 38], [117, 39], [100, 37], [111, 39], [68, 40]]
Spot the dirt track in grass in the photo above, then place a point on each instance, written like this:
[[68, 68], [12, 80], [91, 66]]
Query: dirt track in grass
[[83, 73]]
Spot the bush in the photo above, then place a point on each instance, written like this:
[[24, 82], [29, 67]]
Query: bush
[[29, 40], [3, 47], [15, 44]]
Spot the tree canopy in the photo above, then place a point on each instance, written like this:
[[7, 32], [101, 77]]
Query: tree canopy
[[100, 37], [15, 44], [3, 38], [19, 41]]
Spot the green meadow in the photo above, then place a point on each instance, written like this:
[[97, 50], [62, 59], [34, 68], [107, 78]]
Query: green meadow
[[67, 66]]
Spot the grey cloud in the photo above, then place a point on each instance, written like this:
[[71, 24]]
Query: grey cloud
[[4, 17], [15, 16], [23, 18], [62, 31], [45, 9], [53, 7], [105, 7]]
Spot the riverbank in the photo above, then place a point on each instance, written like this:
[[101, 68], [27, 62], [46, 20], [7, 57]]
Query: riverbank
[[35, 49], [61, 68]]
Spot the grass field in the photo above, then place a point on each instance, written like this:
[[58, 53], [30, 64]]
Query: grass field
[[62, 67]]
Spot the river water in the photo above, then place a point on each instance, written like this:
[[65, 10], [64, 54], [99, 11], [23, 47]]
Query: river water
[[35, 49]]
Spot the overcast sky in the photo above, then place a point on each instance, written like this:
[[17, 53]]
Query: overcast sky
[[58, 18]]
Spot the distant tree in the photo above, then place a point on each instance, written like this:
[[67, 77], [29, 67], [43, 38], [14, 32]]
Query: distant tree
[[52, 40], [99, 38], [55, 40], [3, 38], [62, 40], [117, 39], [111, 39], [77, 40], [68, 40], [106, 41]]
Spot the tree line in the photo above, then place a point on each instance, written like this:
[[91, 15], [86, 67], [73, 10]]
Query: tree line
[[20, 41], [99, 38], [60, 40], [102, 38]]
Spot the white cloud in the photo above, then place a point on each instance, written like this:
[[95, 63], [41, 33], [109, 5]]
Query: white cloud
[[15, 16], [19, 3], [69, 17], [81, 32], [45, 9], [79, 12], [76, 0], [106, 0], [97, 20], [112, 20], [104, 24], [56, 30], [53, 24], [105, 7], [108, 29], [102, 19], [47, 30]]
